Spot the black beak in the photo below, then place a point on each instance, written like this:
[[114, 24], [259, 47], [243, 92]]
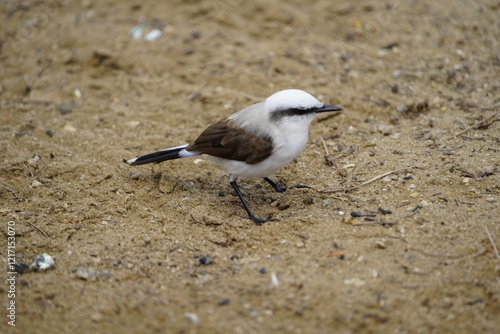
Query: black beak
[[326, 108]]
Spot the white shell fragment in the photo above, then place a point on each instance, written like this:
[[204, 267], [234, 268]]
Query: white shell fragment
[[274, 280], [43, 262], [153, 34]]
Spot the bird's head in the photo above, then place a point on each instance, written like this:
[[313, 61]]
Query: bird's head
[[295, 104]]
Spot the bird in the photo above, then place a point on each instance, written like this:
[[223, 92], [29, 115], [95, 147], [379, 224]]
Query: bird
[[254, 142]]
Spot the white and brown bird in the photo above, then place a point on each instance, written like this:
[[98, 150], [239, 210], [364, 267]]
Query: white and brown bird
[[255, 141]]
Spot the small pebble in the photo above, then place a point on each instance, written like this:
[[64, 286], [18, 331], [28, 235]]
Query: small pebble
[[86, 274], [223, 302], [21, 268], [356, 214], [33, 161], [36, 184], [402, 108], [384, 212], [193, 317], [488, 170], [274, 280], [66, 107], [43, 262], [133, 124], [68, 127], [205, 260], [490, 199], [308, 200], [355, 281], [136, 176], [396, 74]]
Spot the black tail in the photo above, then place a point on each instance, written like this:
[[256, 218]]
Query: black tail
[[163, 155]]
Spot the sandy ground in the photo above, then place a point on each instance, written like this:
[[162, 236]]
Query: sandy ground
[[162, 248]]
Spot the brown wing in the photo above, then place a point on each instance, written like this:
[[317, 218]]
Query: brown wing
[[224, 140]]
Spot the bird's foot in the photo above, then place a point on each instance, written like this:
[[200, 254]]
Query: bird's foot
[[260, 221], [281, 189], [299, 186]]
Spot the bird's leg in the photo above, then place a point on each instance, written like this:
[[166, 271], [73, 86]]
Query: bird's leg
[[258, 221], [281, 189]]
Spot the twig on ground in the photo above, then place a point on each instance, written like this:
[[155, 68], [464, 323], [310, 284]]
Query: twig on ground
[[495, 250], [39, 229], [327, 153], [364, 183], [474, 126], [12, 192], [478, 253]]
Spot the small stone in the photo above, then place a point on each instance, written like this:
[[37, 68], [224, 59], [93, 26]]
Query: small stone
[[396, 74], [193, 317], [33, 161], [36, 184], [68, 127], [274, 280], [224, 301], [103, 274], [414, 195], [490, 199], [384, 212], [402, 108], [460, 53], [308, 200], [136, 176], [86, 274], [205, 260], [381, 244], [355, 281], [21, 268], [66, 107], [386, 130], [133, 124], [300, 244], [488, 170], [43, 262], [356, 214]]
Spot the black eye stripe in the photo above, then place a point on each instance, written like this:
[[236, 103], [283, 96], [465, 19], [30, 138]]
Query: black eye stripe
[[290, 112]]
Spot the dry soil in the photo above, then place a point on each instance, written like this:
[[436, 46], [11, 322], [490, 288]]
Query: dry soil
[[163, 249]]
